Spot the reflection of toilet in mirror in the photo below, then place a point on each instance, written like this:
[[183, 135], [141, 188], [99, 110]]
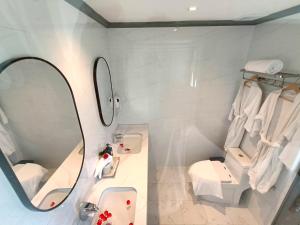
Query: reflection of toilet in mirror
[[38, 182], [31, 176]]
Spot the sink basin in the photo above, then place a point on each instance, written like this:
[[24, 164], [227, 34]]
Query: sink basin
[[130, 144], [120, 202], [54, 197]]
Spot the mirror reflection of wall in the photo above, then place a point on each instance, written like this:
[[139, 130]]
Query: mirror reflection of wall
[[40, 134], [104, 91]]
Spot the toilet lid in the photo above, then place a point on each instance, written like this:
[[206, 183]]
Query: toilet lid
[[223, 172]]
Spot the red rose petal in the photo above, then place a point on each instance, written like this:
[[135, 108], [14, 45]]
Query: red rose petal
[[105, 156], [128, 202], [102, 216]]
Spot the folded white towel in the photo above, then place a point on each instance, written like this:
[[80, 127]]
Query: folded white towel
[[205, 179], [101, 164], [265, 66]]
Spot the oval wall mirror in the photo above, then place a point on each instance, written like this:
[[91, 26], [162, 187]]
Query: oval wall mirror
[[104, 91], [41, 140]]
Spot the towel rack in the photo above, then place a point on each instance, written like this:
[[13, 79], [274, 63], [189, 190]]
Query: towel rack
[[277, 80]]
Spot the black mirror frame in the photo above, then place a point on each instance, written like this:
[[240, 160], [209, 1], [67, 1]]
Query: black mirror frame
[[4, 165], [97, 91]]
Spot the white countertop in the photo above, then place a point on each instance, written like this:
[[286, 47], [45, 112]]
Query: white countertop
[[132, 172]]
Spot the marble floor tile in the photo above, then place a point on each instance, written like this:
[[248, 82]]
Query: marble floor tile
[[216, 214], [174, 203], [240, 216], [175, 191], [193, 213], [152, 192], [171, 212], [172, 175], [153, 213], [152, 177]]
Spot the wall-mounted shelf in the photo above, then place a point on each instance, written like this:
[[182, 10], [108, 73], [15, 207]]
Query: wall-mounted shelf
[[277, 80]]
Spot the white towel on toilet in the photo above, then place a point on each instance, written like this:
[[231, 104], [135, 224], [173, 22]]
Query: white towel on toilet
[[205, 179]]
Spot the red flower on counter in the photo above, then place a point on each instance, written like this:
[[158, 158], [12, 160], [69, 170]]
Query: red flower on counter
[[105, 156], [103, 217]]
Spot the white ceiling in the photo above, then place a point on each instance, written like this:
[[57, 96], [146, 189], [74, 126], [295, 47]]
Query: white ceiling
[[177, 10]]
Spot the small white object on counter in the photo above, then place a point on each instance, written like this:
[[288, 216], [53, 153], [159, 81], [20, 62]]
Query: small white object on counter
[[101, 164]]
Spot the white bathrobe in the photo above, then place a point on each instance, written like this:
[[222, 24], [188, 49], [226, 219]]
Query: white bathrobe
[[6, 143], [290, 157], [244, 109], [266, 166]]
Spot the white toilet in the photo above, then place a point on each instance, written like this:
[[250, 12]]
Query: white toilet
[[232, 175]]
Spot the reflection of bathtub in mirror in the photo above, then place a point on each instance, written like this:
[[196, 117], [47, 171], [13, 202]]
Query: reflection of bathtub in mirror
[[63, 177]]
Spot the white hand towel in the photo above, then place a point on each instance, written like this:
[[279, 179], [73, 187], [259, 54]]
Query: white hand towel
[[265, 66], [100, 166], [205, 179]]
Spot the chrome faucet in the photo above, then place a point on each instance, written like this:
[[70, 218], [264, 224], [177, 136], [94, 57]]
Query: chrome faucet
[[86, 210], [117, 137]]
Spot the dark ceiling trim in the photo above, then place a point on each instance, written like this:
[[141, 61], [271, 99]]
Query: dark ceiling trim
[[87, 10], [191, 23], [278, 15]]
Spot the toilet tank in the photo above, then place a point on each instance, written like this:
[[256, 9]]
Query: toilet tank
[[238, 163]]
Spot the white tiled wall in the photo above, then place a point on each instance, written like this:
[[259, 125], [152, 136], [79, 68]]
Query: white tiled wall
[[278, 39], [60, 34], [182, 83]]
